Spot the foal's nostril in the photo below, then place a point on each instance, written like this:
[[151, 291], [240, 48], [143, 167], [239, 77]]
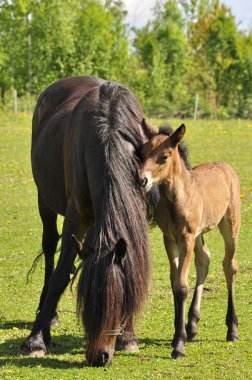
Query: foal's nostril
[[144, 182]]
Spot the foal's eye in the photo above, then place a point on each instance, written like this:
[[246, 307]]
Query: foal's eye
[[162, 160]]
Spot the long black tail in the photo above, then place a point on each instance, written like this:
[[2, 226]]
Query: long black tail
[[36, 261]]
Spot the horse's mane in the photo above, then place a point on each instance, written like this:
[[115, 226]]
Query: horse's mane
[[104, 285]]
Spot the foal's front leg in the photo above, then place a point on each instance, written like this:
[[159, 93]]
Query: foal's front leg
[[202, 260], [180, 290]]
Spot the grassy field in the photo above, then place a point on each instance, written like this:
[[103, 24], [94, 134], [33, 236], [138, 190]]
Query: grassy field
[[210, 357]]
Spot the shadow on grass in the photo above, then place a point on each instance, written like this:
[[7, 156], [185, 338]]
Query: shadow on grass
[[46, 362], [21, 325], [156, 342], [62, 345], [72, 347]]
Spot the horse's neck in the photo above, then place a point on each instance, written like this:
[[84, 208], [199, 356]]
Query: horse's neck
[[179, 182]]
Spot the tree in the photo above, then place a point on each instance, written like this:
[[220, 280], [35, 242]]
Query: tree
[[163, 51]]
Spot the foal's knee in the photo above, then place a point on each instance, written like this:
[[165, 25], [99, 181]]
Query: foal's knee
[[230, 266], [181, 293]]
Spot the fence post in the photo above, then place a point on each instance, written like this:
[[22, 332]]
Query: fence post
[[196, 107], [15, 101]]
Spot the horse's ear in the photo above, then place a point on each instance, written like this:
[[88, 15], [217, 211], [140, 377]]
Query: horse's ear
[[77, 244], [149, 131], [177, 136], [120, 251]]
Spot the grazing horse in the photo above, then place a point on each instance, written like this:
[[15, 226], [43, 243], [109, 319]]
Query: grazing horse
[[87, 136], [192, 202]]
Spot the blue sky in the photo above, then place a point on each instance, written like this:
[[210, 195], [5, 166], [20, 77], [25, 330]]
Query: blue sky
[[139, 11]]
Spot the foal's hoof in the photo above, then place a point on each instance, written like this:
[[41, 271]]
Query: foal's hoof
[[127, 342], [191, 337], [191, 332], [232, 336], [179, 350], [177, 354]]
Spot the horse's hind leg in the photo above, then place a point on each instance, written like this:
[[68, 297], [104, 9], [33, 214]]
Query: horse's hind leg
[[229, 228], [202, 260], [39, 341], [50, 239]]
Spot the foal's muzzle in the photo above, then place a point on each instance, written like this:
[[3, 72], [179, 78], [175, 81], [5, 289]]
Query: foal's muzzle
[[143, 182], [146, 180]]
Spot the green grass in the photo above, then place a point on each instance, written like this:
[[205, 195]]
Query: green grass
[[210, 357]]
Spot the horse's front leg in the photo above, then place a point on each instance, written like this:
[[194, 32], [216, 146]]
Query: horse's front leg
[[39, 341], [127, 341], [180, 291]]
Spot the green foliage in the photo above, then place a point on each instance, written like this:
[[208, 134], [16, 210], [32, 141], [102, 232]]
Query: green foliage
[[189, 47], [58, 38], [209, 357]]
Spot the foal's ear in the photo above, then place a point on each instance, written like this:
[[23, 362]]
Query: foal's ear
[[120, 251], [177, 136], [77, 244], [149, 131]]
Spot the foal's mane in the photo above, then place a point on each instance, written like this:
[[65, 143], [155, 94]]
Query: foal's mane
[[103, 284]]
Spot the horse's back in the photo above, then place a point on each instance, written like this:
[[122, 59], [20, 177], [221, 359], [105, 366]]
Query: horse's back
[[64, 93], [51, 121]]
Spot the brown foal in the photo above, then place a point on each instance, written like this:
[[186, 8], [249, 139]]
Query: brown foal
[[192, 202]]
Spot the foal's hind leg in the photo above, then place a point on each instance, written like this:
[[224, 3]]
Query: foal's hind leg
[[229, 228], [202, 260], [50, 239]]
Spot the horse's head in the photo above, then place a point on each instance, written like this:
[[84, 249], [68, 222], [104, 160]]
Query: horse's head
[[101, 300], [159, 154]]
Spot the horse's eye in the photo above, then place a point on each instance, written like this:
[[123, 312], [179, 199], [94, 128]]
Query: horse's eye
[[162, 160]]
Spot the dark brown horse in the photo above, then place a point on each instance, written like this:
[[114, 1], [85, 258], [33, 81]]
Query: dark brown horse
[[86, 141], [191, 203]]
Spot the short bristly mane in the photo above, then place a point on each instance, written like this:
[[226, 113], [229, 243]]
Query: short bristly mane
[[104, 285]]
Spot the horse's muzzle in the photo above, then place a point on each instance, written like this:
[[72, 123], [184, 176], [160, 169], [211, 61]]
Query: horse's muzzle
[[103, 360]]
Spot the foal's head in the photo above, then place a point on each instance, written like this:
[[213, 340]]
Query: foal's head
[[159, 154]]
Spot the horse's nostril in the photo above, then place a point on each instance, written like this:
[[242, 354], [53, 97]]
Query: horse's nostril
[[144, 182], [103, 358]]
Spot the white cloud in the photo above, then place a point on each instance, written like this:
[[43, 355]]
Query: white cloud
[[140, 11]]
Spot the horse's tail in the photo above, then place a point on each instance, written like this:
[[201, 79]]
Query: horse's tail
[[36, 261]]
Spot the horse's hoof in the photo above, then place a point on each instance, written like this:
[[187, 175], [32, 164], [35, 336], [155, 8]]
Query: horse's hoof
[[177, 354], [34, 346], [55, 322], [127, 342], [131, 347], [36, 354]]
